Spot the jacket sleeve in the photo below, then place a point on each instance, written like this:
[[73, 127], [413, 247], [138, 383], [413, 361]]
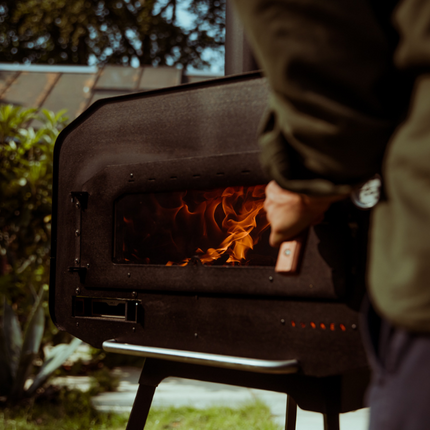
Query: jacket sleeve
[[399, 267], [336, 95]]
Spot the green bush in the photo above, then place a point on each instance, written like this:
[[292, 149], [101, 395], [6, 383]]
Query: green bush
[[26, 158]]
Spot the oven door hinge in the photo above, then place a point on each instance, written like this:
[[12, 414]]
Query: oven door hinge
[[81, 271]]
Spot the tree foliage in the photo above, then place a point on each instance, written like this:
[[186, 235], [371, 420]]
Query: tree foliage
[[145, 32]]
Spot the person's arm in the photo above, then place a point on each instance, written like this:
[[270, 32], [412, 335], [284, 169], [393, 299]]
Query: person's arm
[[335, 95]]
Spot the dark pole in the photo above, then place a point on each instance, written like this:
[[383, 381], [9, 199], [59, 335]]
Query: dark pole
[[238, 54]]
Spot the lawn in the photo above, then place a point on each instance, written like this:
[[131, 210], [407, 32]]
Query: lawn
[[72, 410]]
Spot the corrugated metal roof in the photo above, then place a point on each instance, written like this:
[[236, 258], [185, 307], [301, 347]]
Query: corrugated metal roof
[[119, 78], [30, 89], [75, 88]]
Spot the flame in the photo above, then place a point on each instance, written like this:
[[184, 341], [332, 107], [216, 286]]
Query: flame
[[201, 227], [237, 224]]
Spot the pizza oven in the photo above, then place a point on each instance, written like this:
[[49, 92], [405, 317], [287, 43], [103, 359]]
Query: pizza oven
[[160, 248]]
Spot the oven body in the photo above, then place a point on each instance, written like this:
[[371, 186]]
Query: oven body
[[194, 137]]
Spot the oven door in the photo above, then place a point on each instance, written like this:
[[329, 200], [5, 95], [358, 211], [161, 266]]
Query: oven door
[[114, 275]]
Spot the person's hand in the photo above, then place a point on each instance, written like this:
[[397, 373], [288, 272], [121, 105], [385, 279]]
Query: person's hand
[[290, 213]]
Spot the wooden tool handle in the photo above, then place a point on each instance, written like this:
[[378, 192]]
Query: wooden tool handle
[[289, 255]]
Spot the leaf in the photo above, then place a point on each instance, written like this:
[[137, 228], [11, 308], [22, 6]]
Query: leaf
[[12, 337], [32, 339], [25, 264], [50, 116], [56, 357], [35, 327], [61, 116], [10, 348], [24, 370]]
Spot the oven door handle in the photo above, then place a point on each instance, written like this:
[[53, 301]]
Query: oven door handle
[[205, 359]]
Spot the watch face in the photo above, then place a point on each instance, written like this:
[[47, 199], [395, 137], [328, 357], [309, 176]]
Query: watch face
[[368, 194]]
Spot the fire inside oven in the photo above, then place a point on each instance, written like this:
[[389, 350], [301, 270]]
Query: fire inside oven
[[218, 227]]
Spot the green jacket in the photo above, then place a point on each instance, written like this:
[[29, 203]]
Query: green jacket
[[350, 96]]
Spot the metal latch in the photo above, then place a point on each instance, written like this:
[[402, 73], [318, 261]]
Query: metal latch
[[81, 271], [80, 200]]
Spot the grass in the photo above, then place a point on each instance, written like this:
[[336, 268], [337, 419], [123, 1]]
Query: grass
[[59, 410], [251, 416], [72, 410]]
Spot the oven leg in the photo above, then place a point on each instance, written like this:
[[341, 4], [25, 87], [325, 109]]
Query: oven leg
[[153, 373], [142, 403], [290, 421], [331, 421]]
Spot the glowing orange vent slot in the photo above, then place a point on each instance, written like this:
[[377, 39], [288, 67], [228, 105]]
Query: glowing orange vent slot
[[322, 326]]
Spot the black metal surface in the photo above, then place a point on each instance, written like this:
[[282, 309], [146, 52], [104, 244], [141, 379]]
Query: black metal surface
[[330, 395], [119, 146], [320, 277], [291, 414], [331, 421], [257, 327], [141, 406], [203, 119]]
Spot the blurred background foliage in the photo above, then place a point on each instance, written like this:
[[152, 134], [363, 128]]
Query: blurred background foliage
[[82, 32], [127, 32], [26, 169], [26, 157]]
